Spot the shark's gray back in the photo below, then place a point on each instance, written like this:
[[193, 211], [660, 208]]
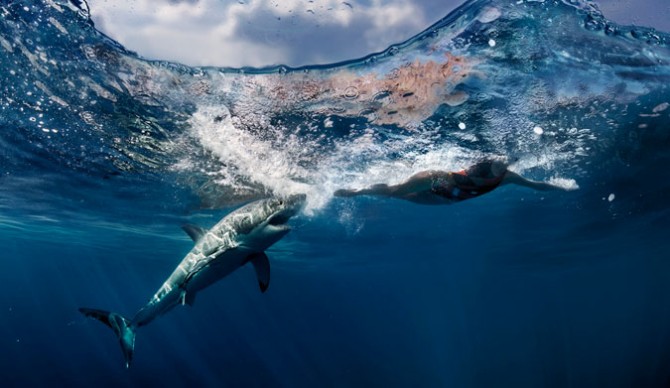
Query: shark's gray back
[[242, 220]]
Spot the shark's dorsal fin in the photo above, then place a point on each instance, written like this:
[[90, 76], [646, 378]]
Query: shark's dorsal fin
[[262, 266], [194, 231]]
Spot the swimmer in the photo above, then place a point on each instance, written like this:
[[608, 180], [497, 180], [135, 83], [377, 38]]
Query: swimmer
[[434, 187]]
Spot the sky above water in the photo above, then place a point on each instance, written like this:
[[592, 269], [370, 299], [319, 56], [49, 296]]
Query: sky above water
[[293, 32]]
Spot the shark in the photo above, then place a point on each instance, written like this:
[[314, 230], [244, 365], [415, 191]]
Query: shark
[[239, 238]]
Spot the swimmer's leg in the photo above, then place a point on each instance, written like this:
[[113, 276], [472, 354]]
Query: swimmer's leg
[[420, 182], [378, 189]]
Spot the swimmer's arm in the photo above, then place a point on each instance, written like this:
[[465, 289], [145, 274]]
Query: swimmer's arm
[[514, 178]]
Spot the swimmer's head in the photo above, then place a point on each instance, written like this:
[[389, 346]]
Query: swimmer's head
[[488, 168], [500, 164], [498, 167]]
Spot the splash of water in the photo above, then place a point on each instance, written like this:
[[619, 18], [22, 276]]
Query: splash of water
[[478, 83]]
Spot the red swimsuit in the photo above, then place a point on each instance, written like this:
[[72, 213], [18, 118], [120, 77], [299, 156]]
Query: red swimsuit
[[459, 186]]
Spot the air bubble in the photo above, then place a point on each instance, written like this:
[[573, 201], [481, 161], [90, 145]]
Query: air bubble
[[89, 52], [381, 95], [488, 15], [661, 107], [461, 125], [351, 93], [611, 30], [593, 24]]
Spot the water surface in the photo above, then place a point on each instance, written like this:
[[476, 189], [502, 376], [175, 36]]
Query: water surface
[[103, 155]]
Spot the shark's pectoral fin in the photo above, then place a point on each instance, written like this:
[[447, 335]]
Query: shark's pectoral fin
[[187, 298], [194, 231], [262, 266]]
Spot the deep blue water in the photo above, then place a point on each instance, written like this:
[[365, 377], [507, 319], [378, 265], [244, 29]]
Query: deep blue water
[[104, 155]]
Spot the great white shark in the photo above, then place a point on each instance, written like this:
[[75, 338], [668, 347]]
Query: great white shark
[[240, 237]]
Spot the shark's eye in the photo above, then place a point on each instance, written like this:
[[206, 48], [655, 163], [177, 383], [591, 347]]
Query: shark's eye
[[281, 202]]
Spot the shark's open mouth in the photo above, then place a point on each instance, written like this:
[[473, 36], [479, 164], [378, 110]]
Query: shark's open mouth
[[279, 219]]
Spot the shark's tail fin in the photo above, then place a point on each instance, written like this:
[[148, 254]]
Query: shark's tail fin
[[122, 327]]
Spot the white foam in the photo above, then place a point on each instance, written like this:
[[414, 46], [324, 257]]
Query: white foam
[[564, 183], [282, 161], [245, 156]]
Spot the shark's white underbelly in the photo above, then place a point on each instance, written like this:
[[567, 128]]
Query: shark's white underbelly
[[182, 285]]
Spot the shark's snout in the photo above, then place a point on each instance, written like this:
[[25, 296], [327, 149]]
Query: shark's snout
[[288, 207], [296, 201]]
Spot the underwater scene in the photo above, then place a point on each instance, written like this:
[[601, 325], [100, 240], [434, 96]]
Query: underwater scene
[[482, 205]]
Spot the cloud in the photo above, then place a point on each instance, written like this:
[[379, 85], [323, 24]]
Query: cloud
[[653, 13], [260, 33]]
